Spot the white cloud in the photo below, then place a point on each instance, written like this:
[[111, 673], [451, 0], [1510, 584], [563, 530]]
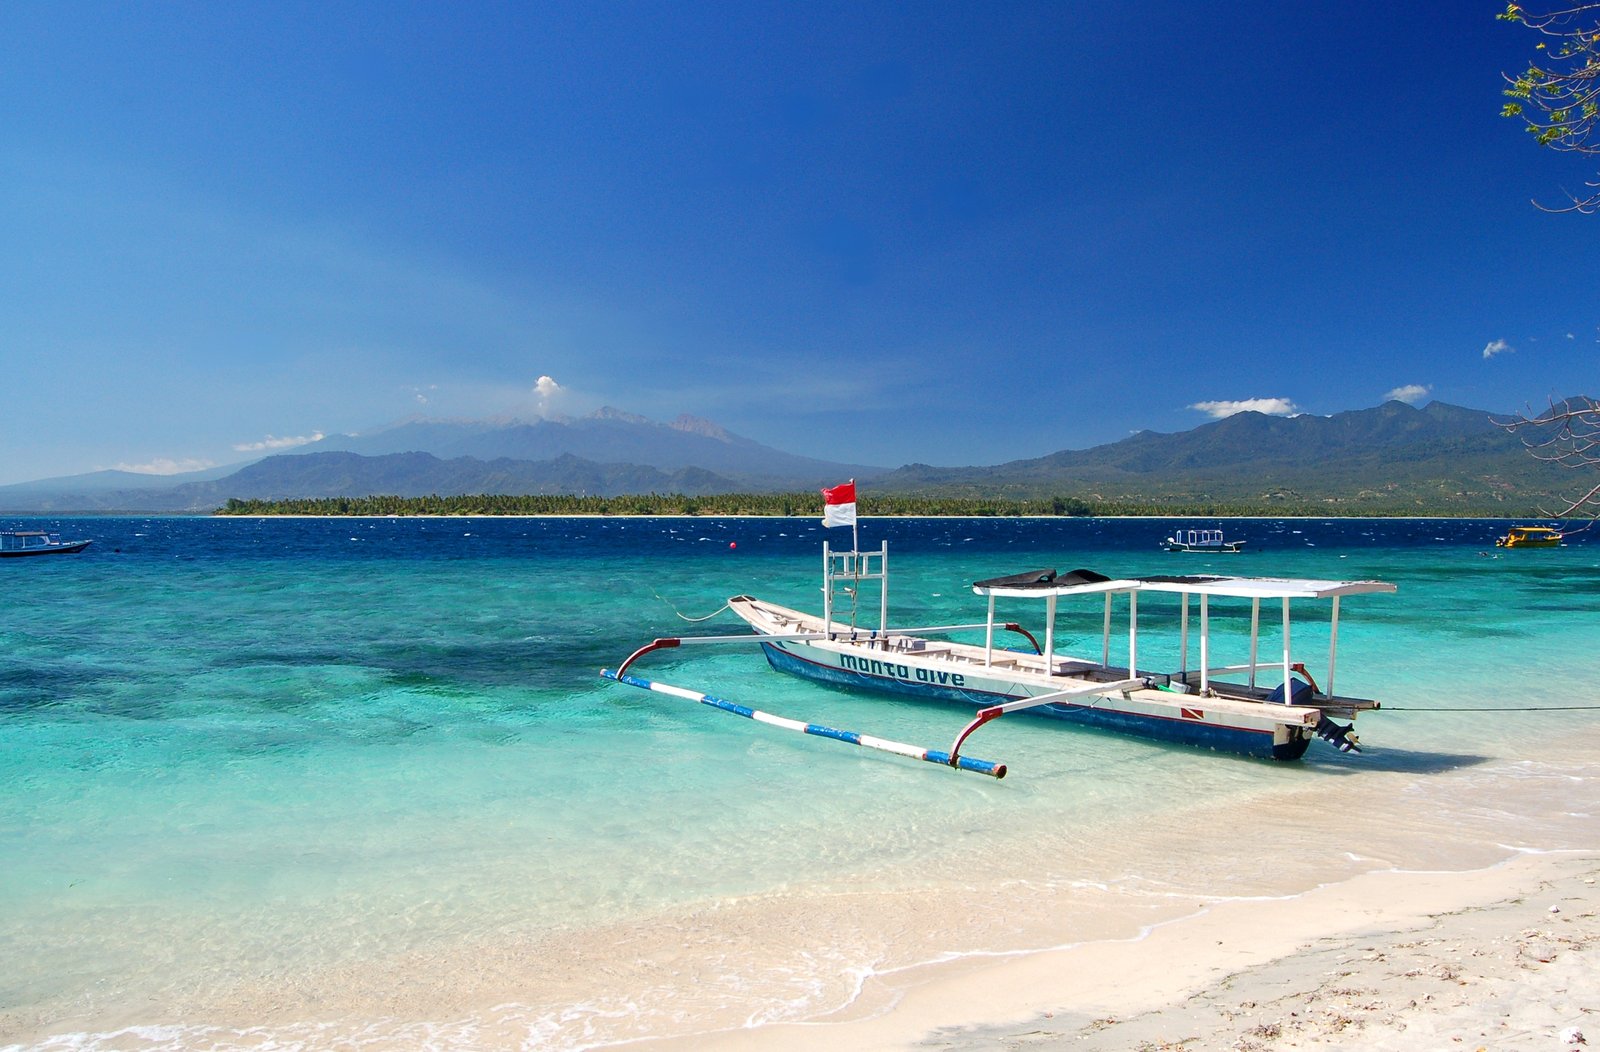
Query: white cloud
[[1571, 337], [1269, 406], [271, 442], [167, 466], [546, 391], [1408, 393], [1495, 347]]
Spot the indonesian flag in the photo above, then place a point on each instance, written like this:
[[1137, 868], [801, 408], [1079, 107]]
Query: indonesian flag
[[839, 505]]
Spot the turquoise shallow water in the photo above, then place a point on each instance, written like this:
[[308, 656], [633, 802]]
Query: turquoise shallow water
[[273, 783]]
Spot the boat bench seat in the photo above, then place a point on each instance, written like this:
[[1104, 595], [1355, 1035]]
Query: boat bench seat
[[1057, 667]]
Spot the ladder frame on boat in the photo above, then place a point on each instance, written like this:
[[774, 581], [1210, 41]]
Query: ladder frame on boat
[[855, 566]]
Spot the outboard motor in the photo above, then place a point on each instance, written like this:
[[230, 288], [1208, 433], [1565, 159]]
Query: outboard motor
[[1335, 734], [1338, 736]]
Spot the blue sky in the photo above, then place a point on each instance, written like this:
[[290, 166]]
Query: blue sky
[[954, 233]]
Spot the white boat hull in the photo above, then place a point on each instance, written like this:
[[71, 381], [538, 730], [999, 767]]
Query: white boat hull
[[973, 676]]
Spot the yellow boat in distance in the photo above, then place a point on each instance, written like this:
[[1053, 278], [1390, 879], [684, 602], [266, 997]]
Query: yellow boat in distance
[[1530, 537]]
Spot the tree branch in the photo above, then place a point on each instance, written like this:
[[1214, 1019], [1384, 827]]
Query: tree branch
[[1568, 435], [1563, 88]]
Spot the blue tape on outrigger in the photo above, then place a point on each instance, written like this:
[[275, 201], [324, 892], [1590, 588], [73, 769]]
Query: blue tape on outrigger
[[962, 763]]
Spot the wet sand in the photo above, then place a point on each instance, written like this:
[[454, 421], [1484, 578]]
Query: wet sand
[[1502, 958]]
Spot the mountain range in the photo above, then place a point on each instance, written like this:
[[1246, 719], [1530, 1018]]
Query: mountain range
[[1382, 460]]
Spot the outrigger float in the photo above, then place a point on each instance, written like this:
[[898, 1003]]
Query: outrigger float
[[1263, 708]]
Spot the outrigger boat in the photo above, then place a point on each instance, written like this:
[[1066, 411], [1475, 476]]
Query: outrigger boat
[[1270, 709]]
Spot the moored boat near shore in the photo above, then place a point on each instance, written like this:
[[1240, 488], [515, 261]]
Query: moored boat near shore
[[1270, 709]]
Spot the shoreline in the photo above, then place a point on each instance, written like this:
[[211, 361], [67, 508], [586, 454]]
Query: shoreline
[[1503, 957]]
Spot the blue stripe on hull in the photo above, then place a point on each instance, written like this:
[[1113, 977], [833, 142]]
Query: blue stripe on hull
[[784, 661], [1183, 732]]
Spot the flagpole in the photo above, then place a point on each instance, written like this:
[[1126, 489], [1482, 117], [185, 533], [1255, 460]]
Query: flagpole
[[855, 538], [834, 497]]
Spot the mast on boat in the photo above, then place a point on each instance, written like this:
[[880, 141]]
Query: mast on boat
[[849, 569]]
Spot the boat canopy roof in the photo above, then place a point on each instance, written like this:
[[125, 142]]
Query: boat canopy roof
[[1264, 587], [1037, 583], [1087, 582]]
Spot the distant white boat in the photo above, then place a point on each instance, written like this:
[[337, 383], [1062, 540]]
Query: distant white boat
[[37, 542], [1211, 541]]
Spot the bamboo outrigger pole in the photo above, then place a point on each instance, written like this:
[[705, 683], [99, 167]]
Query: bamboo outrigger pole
[[866, 741]]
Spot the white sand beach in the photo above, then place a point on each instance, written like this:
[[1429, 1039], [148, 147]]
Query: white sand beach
[[1503, 958]]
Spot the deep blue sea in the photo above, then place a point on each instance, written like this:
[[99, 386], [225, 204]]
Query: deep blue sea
[[311, 783]]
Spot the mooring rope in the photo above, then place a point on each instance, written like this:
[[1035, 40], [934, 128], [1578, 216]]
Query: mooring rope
[[686, 617], [1496, 708]]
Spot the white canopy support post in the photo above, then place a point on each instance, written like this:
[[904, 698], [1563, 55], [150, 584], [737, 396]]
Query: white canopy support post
[[1133, 633], [1333, 645], [1183, 636], [1050, 633], [1205, 642], [1105, 636], [1255, 636], [1287, 692], [988, 635]]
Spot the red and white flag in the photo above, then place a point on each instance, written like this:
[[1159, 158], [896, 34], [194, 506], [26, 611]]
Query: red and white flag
[[839, 505]]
